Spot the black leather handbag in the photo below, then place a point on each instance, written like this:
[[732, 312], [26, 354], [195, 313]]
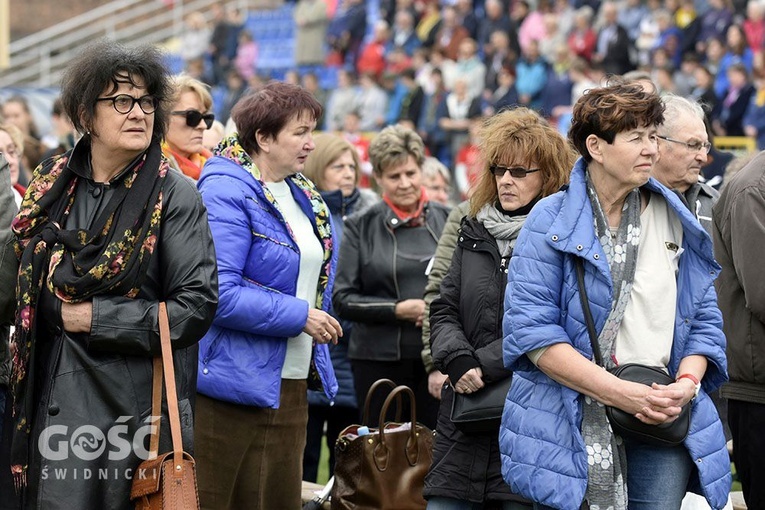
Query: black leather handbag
[[480, 412], [623, 423]]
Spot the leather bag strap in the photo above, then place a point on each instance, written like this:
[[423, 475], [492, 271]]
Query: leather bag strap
[[170, 389], [377, 384], [156, 408], [586, 309]]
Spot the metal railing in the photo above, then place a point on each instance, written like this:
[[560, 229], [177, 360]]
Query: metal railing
[[39, 59]]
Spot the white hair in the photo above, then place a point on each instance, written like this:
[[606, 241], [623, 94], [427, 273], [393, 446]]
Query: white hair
[[674, 107]]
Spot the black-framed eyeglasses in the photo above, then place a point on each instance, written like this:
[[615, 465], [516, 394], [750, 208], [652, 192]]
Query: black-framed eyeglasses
[[124, 103], [194, 117], [691, 146], [516, 172]]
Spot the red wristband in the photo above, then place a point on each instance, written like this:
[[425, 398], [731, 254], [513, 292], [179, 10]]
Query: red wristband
[[689, 376]]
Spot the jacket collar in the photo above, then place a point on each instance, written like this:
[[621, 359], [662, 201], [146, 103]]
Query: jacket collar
[[337, 203], [573, 231], [392, 221]]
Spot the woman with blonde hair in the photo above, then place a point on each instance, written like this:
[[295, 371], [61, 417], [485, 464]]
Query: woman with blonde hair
[[526, 160], [334, 167], [190, 116]]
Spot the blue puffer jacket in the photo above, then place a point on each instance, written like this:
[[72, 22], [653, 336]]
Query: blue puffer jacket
[[543, 453], [241, 356]]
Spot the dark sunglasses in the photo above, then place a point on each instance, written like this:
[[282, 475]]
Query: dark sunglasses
[[517, 172], [193, 117]]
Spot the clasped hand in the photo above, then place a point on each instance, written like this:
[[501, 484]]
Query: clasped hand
[[660, 403], [470, 382]]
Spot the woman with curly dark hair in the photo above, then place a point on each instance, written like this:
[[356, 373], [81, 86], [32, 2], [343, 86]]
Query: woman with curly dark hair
[[104, 234]]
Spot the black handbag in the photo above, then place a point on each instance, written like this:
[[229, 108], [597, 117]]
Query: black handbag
[[623, 423], [480, 412]]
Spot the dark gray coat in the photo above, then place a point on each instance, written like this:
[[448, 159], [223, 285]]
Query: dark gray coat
[[739, 241]]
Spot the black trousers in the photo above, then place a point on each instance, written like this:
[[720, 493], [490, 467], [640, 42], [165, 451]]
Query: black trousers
[[747, 425], [410, 372], [336, 418]]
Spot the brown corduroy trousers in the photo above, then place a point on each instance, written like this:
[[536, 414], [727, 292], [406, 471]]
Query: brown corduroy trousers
[[251, 457]]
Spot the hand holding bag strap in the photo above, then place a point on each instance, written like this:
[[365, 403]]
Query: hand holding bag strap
[[586, 309], [172, 395], [156, 408]]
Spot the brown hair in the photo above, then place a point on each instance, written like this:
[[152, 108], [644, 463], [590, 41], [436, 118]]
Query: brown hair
[[607, 111], [393, 146], [329, 147], [520, 136], [269, 109]]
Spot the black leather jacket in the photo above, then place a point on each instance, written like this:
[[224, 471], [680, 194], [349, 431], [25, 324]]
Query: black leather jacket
[[104, 379], [366, 286]]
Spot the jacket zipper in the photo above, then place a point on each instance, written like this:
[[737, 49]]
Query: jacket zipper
[[398, 292]]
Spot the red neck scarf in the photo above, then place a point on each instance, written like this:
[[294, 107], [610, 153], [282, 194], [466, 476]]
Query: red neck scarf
[[415, 218]]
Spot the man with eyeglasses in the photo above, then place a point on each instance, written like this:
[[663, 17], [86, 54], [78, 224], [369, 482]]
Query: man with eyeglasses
[[683, 149]]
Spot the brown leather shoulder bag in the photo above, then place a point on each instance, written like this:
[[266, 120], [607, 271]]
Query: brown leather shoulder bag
[[167, 481]]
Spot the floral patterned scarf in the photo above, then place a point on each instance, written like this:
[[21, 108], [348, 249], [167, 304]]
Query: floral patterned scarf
[[111, 258]]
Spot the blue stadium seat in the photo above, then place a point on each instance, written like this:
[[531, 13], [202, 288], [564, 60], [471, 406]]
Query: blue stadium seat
[[174, 63]]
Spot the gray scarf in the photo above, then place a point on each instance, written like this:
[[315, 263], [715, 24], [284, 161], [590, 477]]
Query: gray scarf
[[606, 457], [503, 228]]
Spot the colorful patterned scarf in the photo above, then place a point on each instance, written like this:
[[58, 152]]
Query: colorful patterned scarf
[[231, 149], [110, 258], [191, 166]]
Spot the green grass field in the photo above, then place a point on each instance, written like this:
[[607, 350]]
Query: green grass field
[[323, 476]]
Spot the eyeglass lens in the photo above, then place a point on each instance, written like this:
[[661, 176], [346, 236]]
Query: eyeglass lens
[[517, 172], [193, 117], [124, 103]]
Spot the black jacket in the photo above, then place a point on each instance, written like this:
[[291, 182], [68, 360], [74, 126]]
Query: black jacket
[[617, 57], [366, 286], [466, 332], [104, 379]]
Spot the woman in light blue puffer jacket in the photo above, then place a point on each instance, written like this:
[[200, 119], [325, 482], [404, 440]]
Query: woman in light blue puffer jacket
[[557, 446]]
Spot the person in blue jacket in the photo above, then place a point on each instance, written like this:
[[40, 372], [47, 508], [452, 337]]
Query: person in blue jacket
[[649, 272], [268, 343]]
